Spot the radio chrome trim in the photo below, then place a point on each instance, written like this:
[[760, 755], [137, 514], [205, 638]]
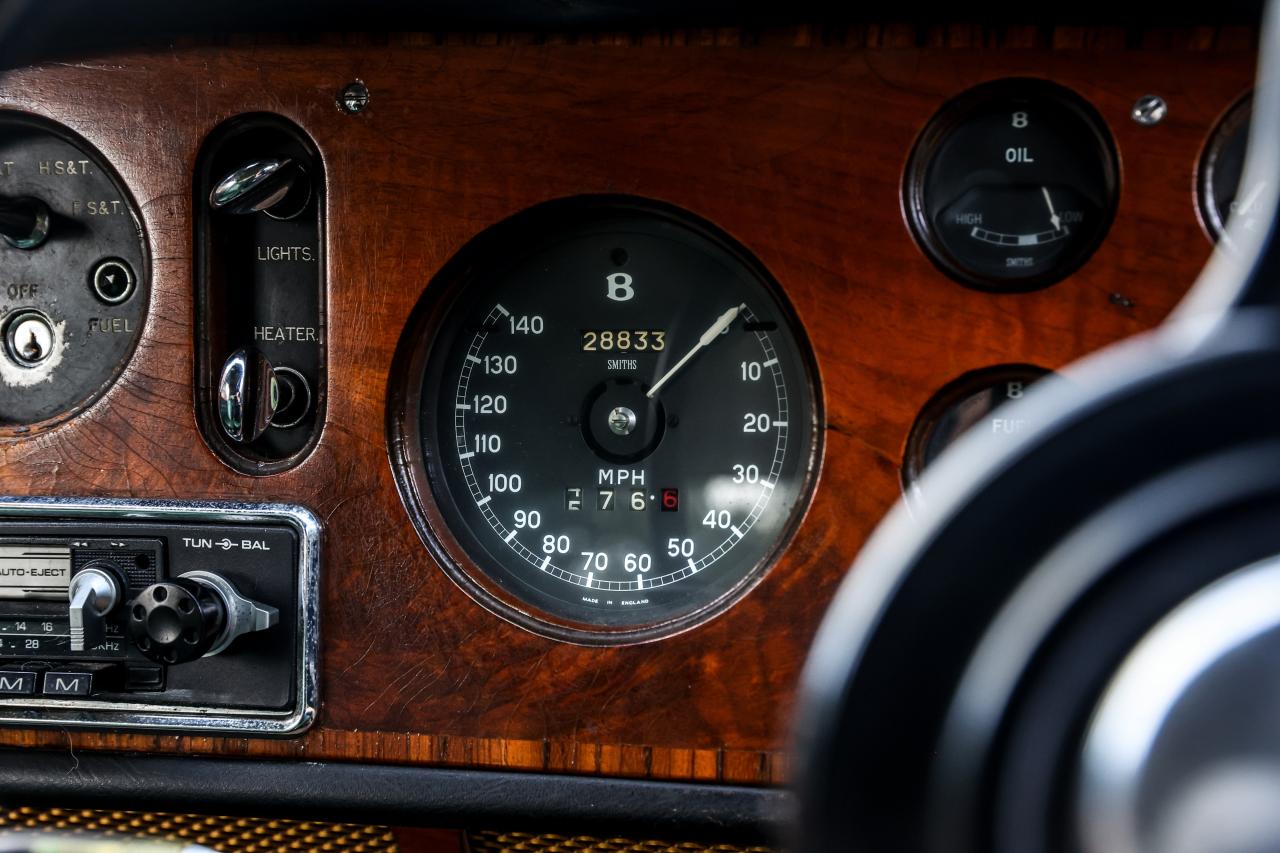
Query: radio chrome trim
[[80, 713]]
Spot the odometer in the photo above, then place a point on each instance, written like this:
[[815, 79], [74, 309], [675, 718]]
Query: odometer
[[609, 425]]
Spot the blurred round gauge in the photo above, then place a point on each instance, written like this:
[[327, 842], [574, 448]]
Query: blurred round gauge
[[1220, 170], [973, 401], [1013, 185]]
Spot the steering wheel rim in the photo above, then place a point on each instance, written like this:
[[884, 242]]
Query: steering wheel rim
[[902, 743]]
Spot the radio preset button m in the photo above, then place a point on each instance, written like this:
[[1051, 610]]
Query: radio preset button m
[[260, 282], [14, 683], [68, 683]]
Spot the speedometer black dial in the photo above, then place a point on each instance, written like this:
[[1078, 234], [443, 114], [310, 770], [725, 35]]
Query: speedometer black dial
[[615, 416]]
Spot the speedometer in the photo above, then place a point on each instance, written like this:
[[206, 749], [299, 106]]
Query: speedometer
[[607, 425]]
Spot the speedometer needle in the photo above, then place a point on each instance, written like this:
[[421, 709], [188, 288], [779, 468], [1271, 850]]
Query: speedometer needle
[[722, 322]]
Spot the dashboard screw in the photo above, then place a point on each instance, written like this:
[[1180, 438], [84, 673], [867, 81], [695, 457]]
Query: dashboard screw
[[353, 98], [1149, 110]]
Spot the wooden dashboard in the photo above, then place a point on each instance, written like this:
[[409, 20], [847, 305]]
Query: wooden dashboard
[[792, 141]]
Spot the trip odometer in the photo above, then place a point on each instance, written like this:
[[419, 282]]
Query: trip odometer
[[608, 425]]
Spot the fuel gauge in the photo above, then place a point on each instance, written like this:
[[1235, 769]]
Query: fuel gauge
[[1012, 185], [974, 401]]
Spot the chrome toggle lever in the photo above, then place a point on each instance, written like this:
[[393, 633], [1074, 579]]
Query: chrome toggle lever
[[24, 222], [277, 187], [248, 395]]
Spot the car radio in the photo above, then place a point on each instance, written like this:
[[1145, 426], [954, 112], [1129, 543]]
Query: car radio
[[158, 615]]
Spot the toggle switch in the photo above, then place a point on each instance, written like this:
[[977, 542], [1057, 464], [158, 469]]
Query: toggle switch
[[248, 395], [277, 187], [24, 222], [260, 293]]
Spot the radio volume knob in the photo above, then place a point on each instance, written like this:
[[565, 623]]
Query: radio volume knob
[[94, 592]]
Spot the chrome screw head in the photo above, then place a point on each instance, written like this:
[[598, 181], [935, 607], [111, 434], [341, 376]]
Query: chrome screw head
[[1149, 110], [354, 97], [622, 421]]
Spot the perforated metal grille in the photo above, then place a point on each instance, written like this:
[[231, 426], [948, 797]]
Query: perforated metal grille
[[524, 842], [224, 834], [263, 835]]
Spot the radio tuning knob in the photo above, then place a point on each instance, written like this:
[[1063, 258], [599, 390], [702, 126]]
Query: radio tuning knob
[[248, 395], [176, 621], [94, 592], [277, 187], [193, 616]]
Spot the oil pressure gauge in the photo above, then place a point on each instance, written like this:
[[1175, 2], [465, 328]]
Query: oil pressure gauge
[[1012, 186]]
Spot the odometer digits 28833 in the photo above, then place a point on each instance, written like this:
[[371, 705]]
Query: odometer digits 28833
[[608, 425]]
